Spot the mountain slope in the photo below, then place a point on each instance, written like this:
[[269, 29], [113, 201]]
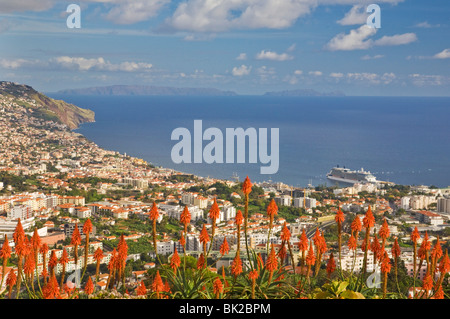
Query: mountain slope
[[45, 107]]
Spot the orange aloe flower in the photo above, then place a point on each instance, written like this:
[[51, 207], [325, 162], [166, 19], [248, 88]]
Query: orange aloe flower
[[310, 258], [11, 281], [141, 289], [340, 217], [214, 214], [285, 233], [20, 248], [303, 243], [29, 265], [51, 289], [426, 242], [369, 220], [98, 257], [385, 269], [352, 244], [89, 288], [217, 287], [214, 211], [316, 237], [35, 241], [272, 262], [5, 254], [167, 289], [201, 262], [157, 285], [322, 244], [76, 240], [439, 294], [236, 266], [436, 253], [175, 261], [224, 248], [246, 186], [154, 214], [415, 235], [272, 209], [87, 229], [396, 249], [356, 225], [444, 265], [385, 263], [53, 261], [282, 253], [239, 218], [375, 248], [427, 284], [253, 275], [185, 217], [63, 261], [384, 233], [182, 240], [331, 265], [204, 238]]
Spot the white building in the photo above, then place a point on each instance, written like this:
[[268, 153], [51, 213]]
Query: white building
[[443, 205]]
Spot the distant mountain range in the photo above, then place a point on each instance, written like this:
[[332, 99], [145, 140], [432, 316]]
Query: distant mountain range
[[146, 90], [164, 90], [304, 92]]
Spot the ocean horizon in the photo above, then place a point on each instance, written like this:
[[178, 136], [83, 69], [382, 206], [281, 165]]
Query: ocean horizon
[[399, 139]]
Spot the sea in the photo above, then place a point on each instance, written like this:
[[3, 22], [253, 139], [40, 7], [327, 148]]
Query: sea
[[405, 140]]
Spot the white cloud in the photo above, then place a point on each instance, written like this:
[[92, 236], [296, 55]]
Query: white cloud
[[25, 5], [398, 39], [270, 55], [355, 40], [265, 73], [298, 72], [359, 39], [445, 54], [291, 48], [223, 15], [242, 56], [132, 11], [242, 70], [336, 75], [99, 64], [356, 15], [426, 25], [368, 57], [199, 37], [315, 73], [428, 80]]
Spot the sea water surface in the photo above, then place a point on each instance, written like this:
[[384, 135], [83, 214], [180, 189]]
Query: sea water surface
[[405, 140]]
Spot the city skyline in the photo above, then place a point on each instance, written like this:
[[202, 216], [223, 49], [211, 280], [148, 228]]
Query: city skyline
[[249, 47]]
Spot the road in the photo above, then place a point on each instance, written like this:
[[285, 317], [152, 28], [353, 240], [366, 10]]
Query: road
[[310, 233]]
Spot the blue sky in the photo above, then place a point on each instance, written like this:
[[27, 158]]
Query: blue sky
[[248, 46]]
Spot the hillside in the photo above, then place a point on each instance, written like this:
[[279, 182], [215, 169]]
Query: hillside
[[44, 107]]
